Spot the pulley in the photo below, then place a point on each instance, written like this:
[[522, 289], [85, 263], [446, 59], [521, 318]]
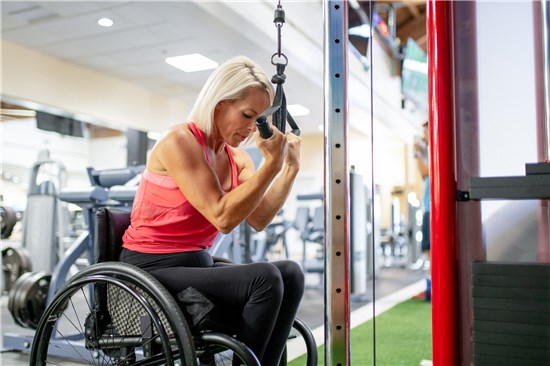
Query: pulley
[[28, 297], [15, 262]]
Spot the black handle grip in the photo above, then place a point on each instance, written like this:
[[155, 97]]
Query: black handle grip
[[263, 127]]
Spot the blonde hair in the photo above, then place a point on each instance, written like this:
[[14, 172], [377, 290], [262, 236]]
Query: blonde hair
[[230, 81]]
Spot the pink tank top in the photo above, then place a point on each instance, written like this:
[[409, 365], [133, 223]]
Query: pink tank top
[[163, 220]]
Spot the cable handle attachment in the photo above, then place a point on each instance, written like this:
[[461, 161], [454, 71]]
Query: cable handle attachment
[[263, 127], [282, 57], [278, 111], [266, 131]]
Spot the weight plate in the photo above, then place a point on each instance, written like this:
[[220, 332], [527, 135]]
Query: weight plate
[[15, 262], [8, 219], [14, 295], [27, 299]]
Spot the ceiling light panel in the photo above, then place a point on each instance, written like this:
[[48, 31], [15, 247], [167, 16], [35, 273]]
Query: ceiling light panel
[[105, 22], [297, 110], [71, 8], [192, 62], [28, 12]]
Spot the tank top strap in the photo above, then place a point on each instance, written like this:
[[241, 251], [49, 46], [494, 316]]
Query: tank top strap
[[200, 138], [234, 170], [202, 141]]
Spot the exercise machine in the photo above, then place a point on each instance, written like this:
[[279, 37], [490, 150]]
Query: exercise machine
[[33, 291]]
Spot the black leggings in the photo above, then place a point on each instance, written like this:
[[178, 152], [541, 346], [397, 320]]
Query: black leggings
[[264, 296]]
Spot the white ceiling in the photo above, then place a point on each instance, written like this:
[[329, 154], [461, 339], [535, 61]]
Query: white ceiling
[[145, 32]]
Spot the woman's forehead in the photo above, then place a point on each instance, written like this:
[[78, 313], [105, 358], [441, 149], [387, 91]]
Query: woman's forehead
[[256, 96]]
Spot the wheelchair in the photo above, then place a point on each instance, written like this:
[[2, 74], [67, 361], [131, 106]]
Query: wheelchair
[[113, 313]]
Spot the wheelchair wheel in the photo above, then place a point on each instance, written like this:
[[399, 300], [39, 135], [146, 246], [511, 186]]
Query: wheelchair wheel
[[113, 314], [299, 328], [221, 349]]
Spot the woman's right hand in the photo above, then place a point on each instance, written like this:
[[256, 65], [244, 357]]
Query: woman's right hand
[[273, 149]]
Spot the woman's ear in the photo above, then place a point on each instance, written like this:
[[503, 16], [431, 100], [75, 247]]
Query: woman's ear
[[219, 105]]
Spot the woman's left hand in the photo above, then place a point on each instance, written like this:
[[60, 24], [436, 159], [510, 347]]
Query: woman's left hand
[[293, 153]]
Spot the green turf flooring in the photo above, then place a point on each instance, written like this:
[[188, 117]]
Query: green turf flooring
[[402, 337]]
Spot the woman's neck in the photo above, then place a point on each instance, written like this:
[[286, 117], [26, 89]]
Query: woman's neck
[[215, 141]]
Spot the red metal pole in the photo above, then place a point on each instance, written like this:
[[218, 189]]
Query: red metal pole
[[445, 315]]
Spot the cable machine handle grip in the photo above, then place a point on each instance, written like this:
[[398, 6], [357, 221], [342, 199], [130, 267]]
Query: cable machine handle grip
[[296, 131], [263, 127]]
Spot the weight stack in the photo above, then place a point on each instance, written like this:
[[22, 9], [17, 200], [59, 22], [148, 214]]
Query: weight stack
[[511, 313]]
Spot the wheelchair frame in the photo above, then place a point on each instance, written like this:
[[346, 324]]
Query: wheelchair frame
[[173, 338]]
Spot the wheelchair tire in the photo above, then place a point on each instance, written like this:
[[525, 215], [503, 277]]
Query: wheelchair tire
[[84, 321], [304, 332], [221, 349]]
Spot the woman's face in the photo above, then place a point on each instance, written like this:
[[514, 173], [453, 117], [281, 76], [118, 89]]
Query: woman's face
[[236, 119]]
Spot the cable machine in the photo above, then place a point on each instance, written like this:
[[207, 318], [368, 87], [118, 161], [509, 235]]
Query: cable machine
[[336, 172]]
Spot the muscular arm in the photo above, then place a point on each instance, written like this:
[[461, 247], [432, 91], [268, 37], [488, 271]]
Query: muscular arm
[[180, 156], [273, 200], [277, 194]]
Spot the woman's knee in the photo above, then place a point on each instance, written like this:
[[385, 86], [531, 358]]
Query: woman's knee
[[293, 276], [268, 275], [291, 271]]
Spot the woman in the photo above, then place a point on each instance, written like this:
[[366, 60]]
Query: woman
[[197, 183]]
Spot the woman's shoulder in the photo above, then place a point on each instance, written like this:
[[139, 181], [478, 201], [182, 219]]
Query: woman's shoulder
[[178, 142], [179, 135], [240, 157]]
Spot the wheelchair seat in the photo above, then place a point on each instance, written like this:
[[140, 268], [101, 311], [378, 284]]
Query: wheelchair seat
[[111, 223]]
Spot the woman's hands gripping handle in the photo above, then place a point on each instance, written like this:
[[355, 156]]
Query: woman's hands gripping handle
[[263, 127]]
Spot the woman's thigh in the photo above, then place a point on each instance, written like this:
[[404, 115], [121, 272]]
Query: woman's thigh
[[230, 285]]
